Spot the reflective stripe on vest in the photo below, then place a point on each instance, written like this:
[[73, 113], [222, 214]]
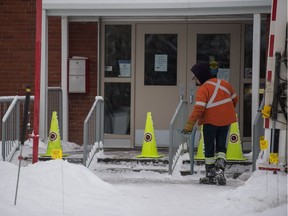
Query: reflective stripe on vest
[[217, 87], [218, 103], [200, 103]]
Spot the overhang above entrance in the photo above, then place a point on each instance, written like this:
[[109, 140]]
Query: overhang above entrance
[[178, 8]]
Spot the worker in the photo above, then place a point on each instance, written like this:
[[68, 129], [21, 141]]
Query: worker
[[215, 110]]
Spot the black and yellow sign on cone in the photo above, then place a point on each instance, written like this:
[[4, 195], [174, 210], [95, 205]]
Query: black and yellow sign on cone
[[54, 147], [149, 148], [234, 147]]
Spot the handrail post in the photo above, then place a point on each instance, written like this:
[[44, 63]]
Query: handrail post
[[256, 136], [85, 143], [170, 150], [18, 124], [191, 150], [102, 121], [3, 139]]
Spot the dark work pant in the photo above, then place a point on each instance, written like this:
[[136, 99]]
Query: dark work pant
[[214, 134]]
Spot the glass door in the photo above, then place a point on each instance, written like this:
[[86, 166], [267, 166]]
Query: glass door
[[117, 87], [160, 76], [214, 42], [146, 68]]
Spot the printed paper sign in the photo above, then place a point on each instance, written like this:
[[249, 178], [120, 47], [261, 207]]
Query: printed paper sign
[[161, 62]]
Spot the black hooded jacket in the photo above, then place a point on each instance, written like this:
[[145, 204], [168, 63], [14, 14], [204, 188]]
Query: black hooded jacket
[[202, 72]]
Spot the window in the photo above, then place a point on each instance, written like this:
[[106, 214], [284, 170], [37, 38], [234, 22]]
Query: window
[[160, 59], [249, 49], [214, 47], [247, 98], [117, 108], [117, 50], [247, 75], [117, 93]]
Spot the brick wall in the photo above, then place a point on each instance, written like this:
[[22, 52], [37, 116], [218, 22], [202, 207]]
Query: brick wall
[[17, 48], [82, 42], [54, 51], [17, 54]]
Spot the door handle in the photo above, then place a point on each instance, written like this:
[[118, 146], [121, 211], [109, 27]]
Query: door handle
[[181, 91], [191, 94], [191, 99]]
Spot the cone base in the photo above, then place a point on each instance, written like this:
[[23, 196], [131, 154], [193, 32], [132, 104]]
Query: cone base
[[236, 159], [149, 156], [228, 159], [49, 155], [199, 158]]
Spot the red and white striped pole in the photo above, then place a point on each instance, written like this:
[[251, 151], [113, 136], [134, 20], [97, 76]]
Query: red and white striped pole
[[275, 142], [270, 62]]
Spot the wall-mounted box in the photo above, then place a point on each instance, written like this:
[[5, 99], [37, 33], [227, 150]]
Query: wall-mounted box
[[77, 75]]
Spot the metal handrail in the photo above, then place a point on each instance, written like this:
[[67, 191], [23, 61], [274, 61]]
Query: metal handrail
[[258, 131], [192, 144], [176, 140], [10, 130], [11, 136], [93, 131], [10, 124]]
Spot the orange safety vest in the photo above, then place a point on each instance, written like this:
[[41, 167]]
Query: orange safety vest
[[215, 103]]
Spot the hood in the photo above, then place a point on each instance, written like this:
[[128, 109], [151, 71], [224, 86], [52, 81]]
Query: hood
[[202, 72]]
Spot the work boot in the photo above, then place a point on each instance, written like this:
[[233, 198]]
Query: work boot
[[210, 170], [219, 173], [210, 175]]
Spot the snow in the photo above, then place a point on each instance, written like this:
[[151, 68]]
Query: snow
[[57, 187]]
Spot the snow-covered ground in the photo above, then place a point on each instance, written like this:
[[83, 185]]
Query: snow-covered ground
[[57, 187]]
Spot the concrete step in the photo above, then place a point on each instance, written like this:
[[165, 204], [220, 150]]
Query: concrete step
[[125, 164], [71, 158], [130, 169]]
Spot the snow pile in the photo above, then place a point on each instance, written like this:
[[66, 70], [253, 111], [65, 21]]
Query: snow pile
[[262, 191], [57, 187]]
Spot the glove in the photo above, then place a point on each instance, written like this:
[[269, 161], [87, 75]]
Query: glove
[[188, 127]]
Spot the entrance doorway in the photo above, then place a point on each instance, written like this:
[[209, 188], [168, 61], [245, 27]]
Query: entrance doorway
[[160, 76], [161, 56], [164, 57]]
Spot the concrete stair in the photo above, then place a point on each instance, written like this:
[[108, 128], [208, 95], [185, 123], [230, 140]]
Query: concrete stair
[[126, 161]]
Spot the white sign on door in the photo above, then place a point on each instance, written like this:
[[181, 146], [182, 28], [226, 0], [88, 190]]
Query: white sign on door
[[161, 61]]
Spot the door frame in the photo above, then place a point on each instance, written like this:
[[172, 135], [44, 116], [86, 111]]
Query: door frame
[[183, 86], [170, 95], [235, 53], [118, 140]]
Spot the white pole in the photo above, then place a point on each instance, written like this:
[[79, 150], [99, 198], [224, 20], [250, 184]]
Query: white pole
[[255, 68], [44, 79], [64, 78]]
